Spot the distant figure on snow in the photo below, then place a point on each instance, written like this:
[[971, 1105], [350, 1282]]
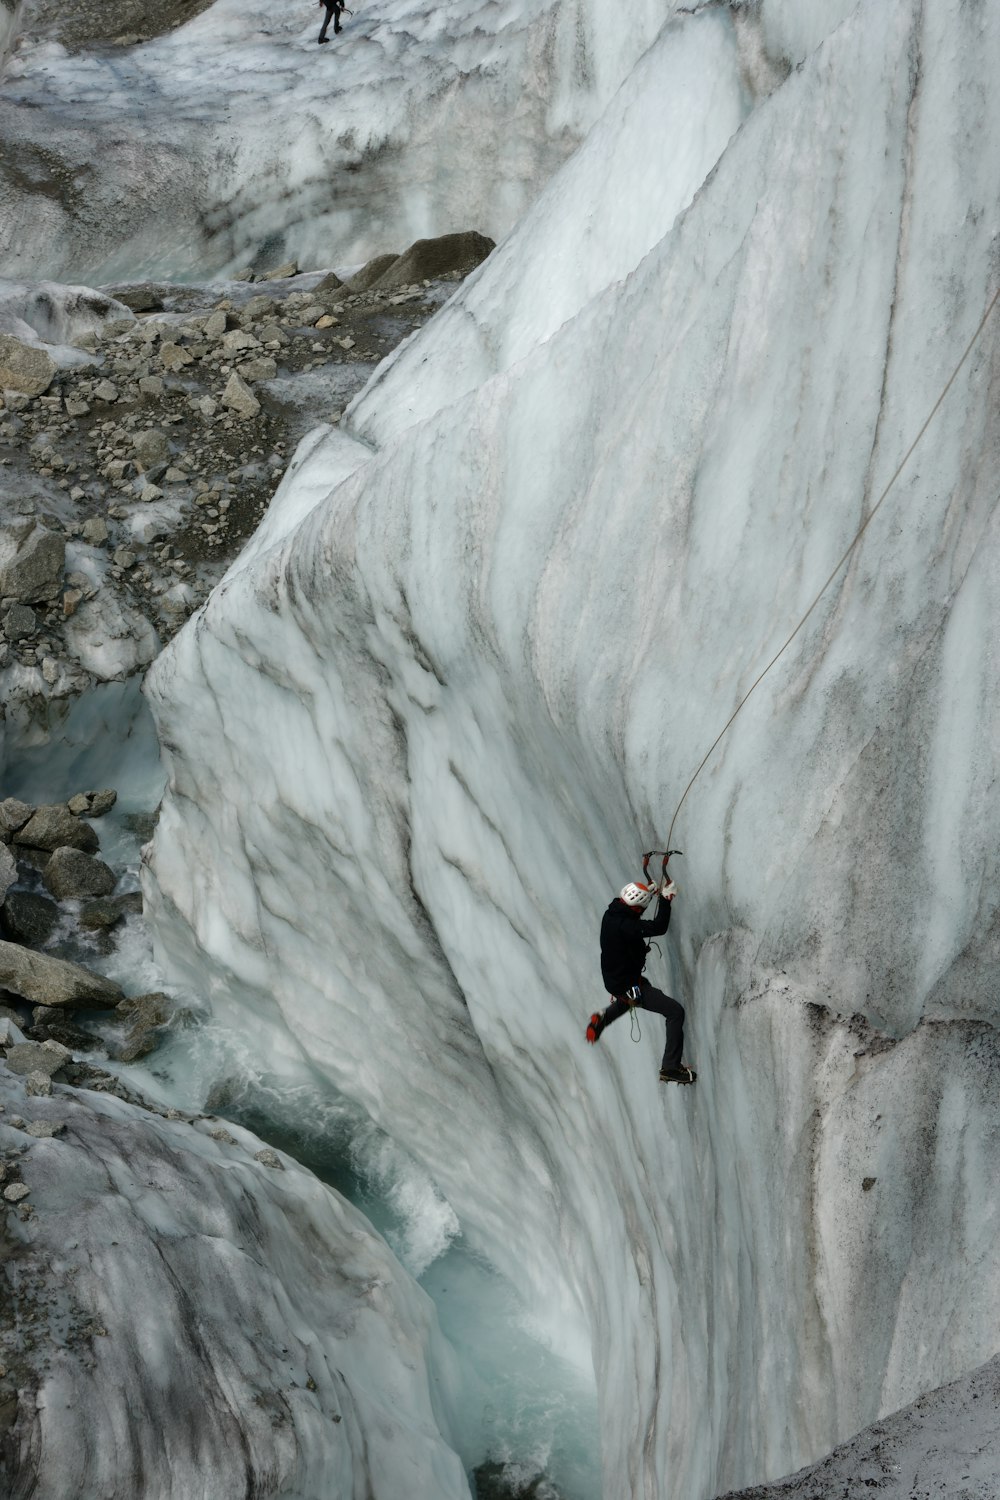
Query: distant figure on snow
[[334, 9], [624, 946]]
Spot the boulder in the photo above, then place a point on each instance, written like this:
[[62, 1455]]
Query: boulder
[[427, 260], [240, 398], [109, 912], [370, 272], [238, 341], [20, 622], [330, 284], [29, 918], [281, 273], [146, 297], [151, 447], [72, 875], [44, 980], [32, 560], [174, 357], [147, 1013], [46, 1058], [95, 531], [23, 367], [54, 827], [259, 369], [258, 307], [8, 871], [92, 804], [13, 815]]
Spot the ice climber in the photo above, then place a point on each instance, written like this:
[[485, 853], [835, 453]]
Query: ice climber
[[624, 946], [334, 9]]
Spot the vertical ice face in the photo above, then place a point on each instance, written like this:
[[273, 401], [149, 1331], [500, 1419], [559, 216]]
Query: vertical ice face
[[417, 744]]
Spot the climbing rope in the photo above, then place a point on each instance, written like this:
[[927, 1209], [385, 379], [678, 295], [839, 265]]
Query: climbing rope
[[856, 539]]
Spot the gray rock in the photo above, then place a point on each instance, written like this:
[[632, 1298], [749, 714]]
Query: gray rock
[[16, 1192], [146, 297], [29, 918], [174, 357], [427, 259], [28, 1058], [215, 325], [282, 272], [240, 398], [44, 980], [370, 272], [13, 815], [8, 871], [38, 1085], [95, 531], [151, 447], [23, 367], [45, 1129], [54, 827], [330, 285], [259, 369], [92, 804], [258, 307], [269, 1158], [148, 1013], [72, 875], [100, 916], [237, 341], [311, 313], [151, 1009], [105, 390], [32, 560], [20, 622]]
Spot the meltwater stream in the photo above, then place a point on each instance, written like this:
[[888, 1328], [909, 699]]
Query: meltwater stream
[[526, 1421]]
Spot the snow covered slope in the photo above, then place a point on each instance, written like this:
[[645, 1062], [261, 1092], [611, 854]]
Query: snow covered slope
[[235, 139], [416, 745]]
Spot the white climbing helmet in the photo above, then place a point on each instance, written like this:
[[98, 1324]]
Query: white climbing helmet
[[634, 894]]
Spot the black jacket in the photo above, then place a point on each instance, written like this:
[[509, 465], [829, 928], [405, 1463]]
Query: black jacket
[[624, 936]]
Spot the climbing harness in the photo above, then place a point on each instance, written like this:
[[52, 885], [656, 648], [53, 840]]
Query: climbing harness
[[856, 539]]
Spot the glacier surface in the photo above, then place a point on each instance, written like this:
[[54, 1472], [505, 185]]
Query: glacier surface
[[193, 1320], [232, 139], [460, 678], [468, 685]]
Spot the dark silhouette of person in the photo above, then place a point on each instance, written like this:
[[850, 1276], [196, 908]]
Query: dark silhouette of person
[[334, 9], [624, 946]]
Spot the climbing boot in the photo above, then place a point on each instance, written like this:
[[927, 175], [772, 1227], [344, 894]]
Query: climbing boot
[[683, 1074], [595, 1026]]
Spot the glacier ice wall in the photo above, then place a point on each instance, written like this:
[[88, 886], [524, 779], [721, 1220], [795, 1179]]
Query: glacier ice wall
[[419, 735], [166, 1269], [233, 139]]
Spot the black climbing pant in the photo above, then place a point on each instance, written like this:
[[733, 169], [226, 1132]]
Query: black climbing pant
[[661, 1005], [333, 11]]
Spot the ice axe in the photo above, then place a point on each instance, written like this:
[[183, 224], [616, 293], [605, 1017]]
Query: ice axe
[[666, 853]]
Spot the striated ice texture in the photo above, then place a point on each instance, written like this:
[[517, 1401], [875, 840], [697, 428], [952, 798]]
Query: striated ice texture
[[197, 1322], [420, 734], [235, 138]]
